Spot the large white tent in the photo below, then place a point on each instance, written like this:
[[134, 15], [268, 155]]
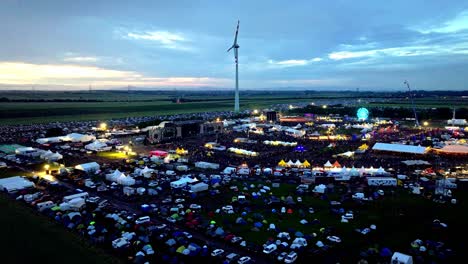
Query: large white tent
[[97, 146], [88, 167], [15, 183], [399, 148]]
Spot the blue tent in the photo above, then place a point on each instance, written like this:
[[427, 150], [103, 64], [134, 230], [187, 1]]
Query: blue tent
[[385, 252], [299, 234]]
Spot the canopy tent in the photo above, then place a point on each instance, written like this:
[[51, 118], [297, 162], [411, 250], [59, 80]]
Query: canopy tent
[[158, 153], [282, 163], [290, 163], [298, 163], [354, 172], [327, 164], [306, 164], [399, 148]]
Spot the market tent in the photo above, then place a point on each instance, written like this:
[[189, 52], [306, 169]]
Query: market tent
[[282, 163], [290, 163], [381, 171], [306, 164], [327, 164], [354, 172], [336, 165], [297, 163]]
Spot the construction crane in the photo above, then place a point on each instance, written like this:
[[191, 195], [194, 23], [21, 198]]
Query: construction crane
[[412, 104]]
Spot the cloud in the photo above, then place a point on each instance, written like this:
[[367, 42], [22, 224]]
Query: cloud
[[164, 38], [407, 51], [457, 24], [81, 59], [20, 73], [292, 63]]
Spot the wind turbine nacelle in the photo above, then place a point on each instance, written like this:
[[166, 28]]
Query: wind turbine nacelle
[[236, 46]]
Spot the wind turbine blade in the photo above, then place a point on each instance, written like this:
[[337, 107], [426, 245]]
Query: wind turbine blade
[[237, 32], [230, 48]]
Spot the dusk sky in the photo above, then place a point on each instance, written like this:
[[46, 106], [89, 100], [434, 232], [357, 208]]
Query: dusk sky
[[283, 44]]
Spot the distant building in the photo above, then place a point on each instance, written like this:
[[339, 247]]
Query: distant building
[[272, 116], [456, 122], [170, 131]]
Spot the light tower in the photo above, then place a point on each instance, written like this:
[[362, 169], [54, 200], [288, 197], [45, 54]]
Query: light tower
[[235, 46], [412, 104]]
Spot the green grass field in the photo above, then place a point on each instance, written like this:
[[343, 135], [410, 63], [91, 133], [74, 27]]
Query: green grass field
[[31, 238], [400, 219], [119, 104]]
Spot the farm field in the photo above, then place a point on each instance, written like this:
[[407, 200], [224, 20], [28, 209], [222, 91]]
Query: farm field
[[117, 104]]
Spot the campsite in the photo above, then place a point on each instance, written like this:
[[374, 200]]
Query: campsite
[[258, 187]]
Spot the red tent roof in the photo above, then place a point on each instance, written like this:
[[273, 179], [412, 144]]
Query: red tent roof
[[337, 164]]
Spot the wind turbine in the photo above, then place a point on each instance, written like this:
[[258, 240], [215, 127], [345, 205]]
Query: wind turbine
[[235, 46], [412, 103]]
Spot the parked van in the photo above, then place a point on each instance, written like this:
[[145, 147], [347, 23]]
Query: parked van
[[291, 257]]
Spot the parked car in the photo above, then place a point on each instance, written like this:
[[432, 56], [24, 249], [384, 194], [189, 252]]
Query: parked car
[[244, 260], [334, 239], [282, 256], [236, 239], [269, 249], [217, 252]]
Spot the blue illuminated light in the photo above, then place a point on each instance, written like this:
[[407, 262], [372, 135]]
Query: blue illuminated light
[[362, 113]]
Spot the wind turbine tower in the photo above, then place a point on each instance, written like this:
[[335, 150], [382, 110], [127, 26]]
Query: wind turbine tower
[[412, 104], [235, 46]]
